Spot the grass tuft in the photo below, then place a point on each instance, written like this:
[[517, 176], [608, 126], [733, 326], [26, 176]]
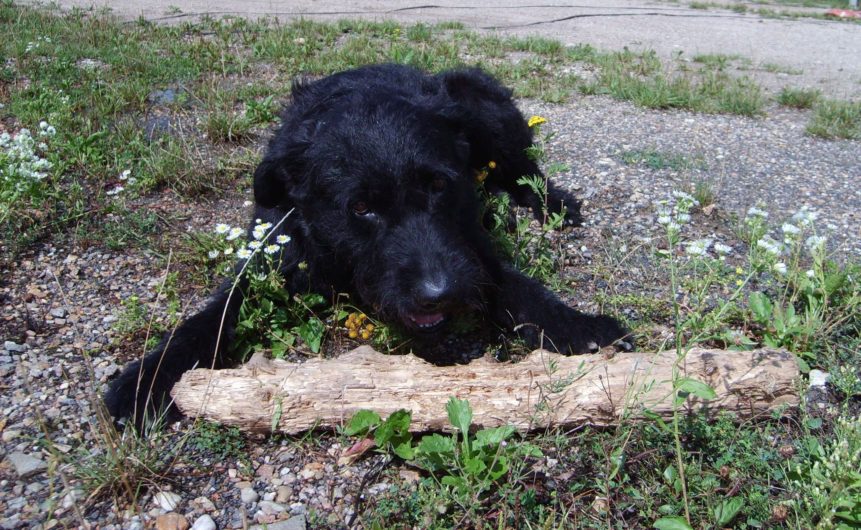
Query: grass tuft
[[836, 119]]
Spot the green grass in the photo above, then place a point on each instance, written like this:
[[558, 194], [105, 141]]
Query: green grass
[[799, 98], [656, 159], [836, 120]]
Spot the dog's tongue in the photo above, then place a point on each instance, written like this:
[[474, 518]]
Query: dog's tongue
[[427, 320]]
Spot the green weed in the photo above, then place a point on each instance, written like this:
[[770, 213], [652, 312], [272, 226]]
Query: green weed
[[799, 98], [836, 119]]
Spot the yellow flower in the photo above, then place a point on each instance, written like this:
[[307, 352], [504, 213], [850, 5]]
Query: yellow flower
[[739, 271], [480, 176], [491, 164], [739, 283], [536, 120]]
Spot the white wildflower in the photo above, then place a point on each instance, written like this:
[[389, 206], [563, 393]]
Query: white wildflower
[[115, 191], [683, 217], [254, 245], [212, 254], [243, 253], [699, 247], [805, 216], [234, 233], [810, 273], [222, 228], [228, 251], [272, 249], [814, 243], [780, 267], [258, 233], [664, 220], [753, 211], [722, 249], [282, 239], [125, 174], [769, 245], [790, 229]]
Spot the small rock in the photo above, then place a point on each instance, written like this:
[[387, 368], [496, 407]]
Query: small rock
[[818, 378], [25, 465], [271, 508], [204, 504], [58, 312], [266, 471], [283, 494], [13, 346], [248, 495], [167, 500], [204, 522], [294, 523], [171, 521]]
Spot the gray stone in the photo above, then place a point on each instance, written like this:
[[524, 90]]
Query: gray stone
[[294, 523], [818, 378], [26, 465], [271, 508], [167, 500], [248, 495], [204, 522], [13, 346], [58, 312]]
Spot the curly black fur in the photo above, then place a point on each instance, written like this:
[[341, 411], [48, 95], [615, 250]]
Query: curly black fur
[[378, 165]]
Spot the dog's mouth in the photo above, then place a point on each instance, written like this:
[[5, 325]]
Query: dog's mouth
[[426, 321]]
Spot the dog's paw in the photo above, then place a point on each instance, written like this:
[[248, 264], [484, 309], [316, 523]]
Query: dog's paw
[[576, 333]]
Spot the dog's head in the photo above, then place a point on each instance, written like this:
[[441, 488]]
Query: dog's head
[[383, 187]]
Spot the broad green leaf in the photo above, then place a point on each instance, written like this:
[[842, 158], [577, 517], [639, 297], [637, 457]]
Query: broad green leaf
[[405, 449], [474, 466], [492, 437], [672, 523], [760, 305], [697, 388], [397, 423], [312, 332], [727, 510], [362, 422], [435, 443], [459, 414]]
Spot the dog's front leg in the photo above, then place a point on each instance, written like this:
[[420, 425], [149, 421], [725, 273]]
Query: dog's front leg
[[142, 391], [542, 320]]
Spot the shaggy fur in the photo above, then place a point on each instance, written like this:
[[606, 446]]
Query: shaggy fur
[[378, 165]]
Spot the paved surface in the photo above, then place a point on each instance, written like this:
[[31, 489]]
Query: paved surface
[[826, 52]]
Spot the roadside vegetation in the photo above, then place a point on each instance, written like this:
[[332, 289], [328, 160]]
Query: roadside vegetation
[[99, 116]]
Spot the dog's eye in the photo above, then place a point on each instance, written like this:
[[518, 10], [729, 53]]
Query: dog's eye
[[361, 208], [438, 184]]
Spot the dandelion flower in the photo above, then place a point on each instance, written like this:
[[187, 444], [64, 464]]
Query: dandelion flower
[[243, 253], [536, 120], [222, 228], [271, 249], [282, 239]]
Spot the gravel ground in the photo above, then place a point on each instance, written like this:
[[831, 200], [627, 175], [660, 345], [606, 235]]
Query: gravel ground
[[64, 299]]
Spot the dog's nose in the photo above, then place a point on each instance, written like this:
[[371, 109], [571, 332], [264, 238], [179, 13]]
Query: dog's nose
[[432, 292]]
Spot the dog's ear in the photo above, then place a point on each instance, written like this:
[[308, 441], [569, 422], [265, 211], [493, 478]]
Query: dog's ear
[[281, 173], [270, 181]]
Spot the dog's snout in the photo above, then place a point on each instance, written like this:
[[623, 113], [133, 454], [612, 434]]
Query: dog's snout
[[432, 292]]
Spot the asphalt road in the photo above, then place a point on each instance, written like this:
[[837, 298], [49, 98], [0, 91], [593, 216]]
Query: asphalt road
[[820, 53]]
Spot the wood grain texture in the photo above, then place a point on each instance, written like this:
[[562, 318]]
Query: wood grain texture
[[543, 389]]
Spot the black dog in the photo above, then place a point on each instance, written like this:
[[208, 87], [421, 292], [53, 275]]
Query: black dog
[[378, 165]]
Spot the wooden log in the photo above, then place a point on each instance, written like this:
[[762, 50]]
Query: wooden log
[[541, 390]]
